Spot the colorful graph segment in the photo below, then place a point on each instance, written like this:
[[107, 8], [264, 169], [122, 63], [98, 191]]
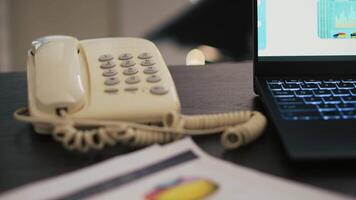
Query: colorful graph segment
[[337, 19]]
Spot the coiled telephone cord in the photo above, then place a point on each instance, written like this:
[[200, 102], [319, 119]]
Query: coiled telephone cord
[[238, 128]]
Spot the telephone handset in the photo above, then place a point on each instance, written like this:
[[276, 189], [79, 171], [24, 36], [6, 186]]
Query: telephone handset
[[122, 89]]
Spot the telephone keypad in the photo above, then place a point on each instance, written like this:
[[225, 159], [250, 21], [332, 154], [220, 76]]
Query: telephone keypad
[[130, 71], [107, 65], [127, 63], [132, 80], [110, 72], [111, 81], [144, 55], [105, 57], [158, 90], [153, 79], [150, 70], [125, 56], [147, 62]]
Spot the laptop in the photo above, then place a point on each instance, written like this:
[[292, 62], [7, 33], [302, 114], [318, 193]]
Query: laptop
[[305, 74]]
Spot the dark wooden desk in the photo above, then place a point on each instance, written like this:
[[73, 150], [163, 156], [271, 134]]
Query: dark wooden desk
[[26, 156]]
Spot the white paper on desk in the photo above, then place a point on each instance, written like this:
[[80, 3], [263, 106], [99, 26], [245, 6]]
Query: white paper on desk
[[232, 182], [226, 180]]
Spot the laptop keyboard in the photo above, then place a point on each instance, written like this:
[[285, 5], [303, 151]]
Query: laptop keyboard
[[311, 99]]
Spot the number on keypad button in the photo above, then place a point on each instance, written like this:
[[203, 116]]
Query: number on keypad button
[[111, 81], [144, 55], [109, 72], [150, 70], [158, 90], [105, 57], [125, 56], [147, 62], [130, 71], [153, 78], [127, 63], [133, 80], [107, 65]]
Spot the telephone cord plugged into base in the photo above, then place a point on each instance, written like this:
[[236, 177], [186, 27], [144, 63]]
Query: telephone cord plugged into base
[[237, 128]]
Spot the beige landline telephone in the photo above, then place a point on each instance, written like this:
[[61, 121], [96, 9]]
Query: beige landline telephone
[[92, 93]]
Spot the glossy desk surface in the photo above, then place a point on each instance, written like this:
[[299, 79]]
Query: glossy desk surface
[[26, 157]]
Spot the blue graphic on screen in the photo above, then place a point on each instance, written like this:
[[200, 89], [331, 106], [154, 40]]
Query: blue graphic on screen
[[337, 19], [261, 24]]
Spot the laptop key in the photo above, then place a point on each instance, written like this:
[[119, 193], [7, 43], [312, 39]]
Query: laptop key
[[297, 107], [283, 93], [331, 80], [331, 100], [327, 107], [353, 92], [350, 99], [291, 86], [289, 100], [349, 80], [327, 115], [274, 81], [304, 93], [275, 87], [346, 106], [346, 86], [312, 81], [313, 100], [340, 92], [349, 114], [309, 86], [322, 93], [292, 81], [309, 115], [327, 86]]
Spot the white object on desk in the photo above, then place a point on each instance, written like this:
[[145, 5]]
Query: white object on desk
[[195, 57]]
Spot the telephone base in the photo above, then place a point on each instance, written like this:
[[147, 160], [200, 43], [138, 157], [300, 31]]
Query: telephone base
[[43, 129]]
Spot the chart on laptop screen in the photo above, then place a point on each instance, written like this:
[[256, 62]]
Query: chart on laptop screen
[[306, 29]]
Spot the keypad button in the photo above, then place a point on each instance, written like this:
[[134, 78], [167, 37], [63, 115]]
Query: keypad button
[[327, 107], [153, 78], [313, 100], [111, 81], [332, 100], [275, 87], [304, 93], [131, 89], [130, 71], [322, 93], [291, 87], [105, 57], [125, 56], [327, 86], [150, 70], [144, 55], [110, 72], [309, 86], [132, 80], [158, 90], [289, 100], [111, 90], [147, 62], [107, 65], [127, 63]]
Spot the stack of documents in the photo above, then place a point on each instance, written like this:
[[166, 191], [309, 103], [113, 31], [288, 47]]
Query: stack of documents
[[178, 171]]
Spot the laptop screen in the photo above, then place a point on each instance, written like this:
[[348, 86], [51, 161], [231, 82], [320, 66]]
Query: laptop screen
[[306, 30]]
